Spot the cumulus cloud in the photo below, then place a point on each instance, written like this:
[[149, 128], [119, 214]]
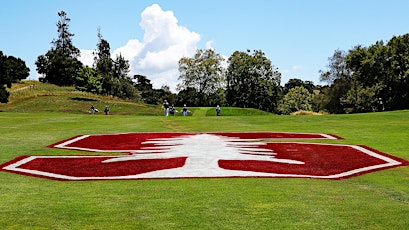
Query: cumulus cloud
[[157, 55], [164, 43], [132, 48], [87, 57], [209, 44], [296, 67]]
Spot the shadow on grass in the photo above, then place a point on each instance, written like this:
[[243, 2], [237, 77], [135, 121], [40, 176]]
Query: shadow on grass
[[82, 99]]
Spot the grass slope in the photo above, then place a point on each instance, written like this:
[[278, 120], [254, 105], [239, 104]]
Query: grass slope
[[378, 200], [40, 97], [33, 96]]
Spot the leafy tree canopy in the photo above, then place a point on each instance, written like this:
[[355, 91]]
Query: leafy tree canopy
[[298, 98], [294, 82], [204, 73], [12, 70], [252, 82]]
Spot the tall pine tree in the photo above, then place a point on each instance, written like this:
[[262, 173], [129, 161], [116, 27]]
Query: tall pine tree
[[60, 64]]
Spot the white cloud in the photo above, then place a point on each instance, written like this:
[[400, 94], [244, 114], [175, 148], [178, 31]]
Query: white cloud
[[87, 57], [291, 70], [209, 44], [296, 67], [130, 50], [164, 43]]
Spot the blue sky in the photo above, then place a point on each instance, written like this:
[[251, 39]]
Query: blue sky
[[298, 36]]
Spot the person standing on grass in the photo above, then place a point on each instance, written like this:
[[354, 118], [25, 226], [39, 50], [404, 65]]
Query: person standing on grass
[[166, 108], [184, 110], [106, 110], [92, 110], [218, 110], [172, 110]]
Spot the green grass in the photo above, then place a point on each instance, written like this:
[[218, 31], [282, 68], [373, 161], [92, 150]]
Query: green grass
[[50, 98], [378, 200]]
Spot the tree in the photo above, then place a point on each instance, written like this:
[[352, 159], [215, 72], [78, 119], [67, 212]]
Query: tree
[[366, 76], [294, 82], [4, 95], [252, 81], [188, 96], [204, 73], [337, 68], [60, 64], [142, 83], [126, 88], [11, 70], [361, 99], [102, 56], [339, 77], [147, 93], [64, 41], [112, 74], [396, 92], [334, 93], [120, 67], [320, 99], [4, 79], [87, 80], [385, 67], [297, 98], [167, 94], [217, 98], [103, 65], [368, 65]]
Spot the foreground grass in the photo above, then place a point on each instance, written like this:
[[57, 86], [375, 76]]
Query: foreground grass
[[377, 200]]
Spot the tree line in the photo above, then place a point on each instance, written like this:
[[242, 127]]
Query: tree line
[[369, 78], [363, 79]]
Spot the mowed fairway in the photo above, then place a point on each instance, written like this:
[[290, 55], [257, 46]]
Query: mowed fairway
[[378, 200]]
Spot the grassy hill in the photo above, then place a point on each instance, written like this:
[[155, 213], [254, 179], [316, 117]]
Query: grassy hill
[[33, 96]]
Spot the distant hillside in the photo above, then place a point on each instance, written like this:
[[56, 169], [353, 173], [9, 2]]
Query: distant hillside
[[33, 96]]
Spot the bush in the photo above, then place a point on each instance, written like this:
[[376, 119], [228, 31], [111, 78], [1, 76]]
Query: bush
[[304, 112]]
